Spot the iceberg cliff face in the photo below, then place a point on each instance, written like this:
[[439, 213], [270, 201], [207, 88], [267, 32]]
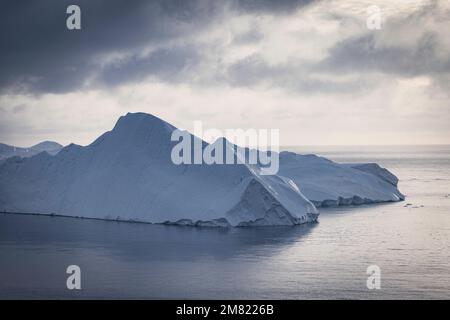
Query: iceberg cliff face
[[127, 174]]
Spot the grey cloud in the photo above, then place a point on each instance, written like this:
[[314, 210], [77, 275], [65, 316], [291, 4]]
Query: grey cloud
[[20, 108], [362, 55], [180, 64], [280, 6], [40, 55], [251, 36], [294, 76], [167, 64], [425, 56]]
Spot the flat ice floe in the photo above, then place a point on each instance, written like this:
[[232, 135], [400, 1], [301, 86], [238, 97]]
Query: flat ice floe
[[127, 174]]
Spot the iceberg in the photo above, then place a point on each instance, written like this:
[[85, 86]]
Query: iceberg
[[127, 174]]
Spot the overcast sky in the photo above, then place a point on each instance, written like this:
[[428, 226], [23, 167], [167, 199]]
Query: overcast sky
[[312, 69]]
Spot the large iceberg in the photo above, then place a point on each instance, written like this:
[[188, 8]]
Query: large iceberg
[[127, 174]]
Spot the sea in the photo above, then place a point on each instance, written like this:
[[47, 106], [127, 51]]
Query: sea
[[385, 251]]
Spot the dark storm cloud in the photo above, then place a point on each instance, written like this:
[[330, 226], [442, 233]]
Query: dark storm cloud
[[39, 54], [167, 64]]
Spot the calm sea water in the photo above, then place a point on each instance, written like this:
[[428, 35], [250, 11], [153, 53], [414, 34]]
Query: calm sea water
[[411, 245]]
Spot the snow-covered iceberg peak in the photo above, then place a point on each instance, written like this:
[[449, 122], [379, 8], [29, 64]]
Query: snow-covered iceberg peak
[[138, 130], [138, 125]]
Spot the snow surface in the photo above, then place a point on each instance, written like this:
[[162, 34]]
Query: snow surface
[[127, 174]]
